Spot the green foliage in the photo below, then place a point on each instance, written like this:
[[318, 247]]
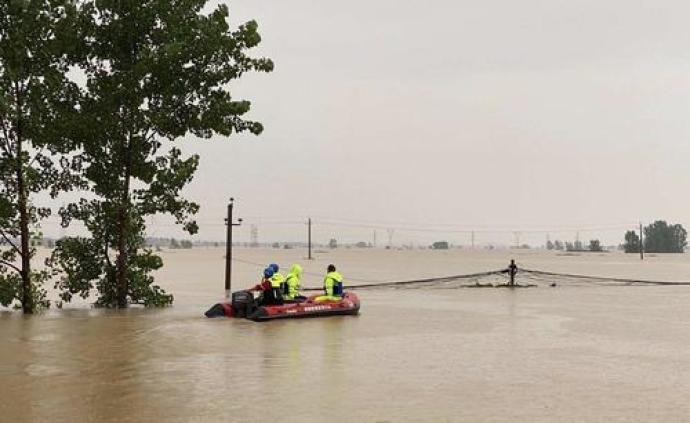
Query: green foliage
[[80, 264], [632, 242], [157, 70], [660, 237], [38, 293], [38, 131], [10, 287], [82, 268]]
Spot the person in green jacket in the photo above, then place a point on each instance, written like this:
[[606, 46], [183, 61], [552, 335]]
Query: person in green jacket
[[292, 284], [332, 285]]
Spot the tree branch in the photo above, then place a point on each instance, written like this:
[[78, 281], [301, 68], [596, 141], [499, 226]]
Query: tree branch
[[36, 156], [5, 144], [8, 264], [107, 246], [12, 244]]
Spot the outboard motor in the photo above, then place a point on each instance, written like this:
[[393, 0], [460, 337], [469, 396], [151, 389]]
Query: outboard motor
[[243, 304]]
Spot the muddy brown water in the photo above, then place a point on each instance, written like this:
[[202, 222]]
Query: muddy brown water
[[585, 353]]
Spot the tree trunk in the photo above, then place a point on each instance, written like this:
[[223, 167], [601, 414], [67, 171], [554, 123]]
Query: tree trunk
[[123, 231], [122, 248], [22, 205], [121, 282], [25, 253]]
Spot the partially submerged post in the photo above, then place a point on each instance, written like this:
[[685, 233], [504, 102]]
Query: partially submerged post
[[512, 270], [309, 237], [228, 249], [641, 244]]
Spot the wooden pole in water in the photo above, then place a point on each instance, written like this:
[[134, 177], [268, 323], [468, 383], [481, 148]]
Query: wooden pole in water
[[641, 244], [309, 237], [228, 249]]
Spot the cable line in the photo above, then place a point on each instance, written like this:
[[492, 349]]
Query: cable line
[[603, 278]]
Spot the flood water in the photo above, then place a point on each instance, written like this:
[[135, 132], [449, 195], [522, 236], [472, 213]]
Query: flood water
[[570, 353]]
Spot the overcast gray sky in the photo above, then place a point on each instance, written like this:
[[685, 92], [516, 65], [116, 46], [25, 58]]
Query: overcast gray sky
[[474, 114]]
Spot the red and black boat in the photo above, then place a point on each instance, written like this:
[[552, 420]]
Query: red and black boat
[[244, 305]]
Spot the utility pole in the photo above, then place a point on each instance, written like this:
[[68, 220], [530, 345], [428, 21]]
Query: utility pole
[[374, 238], [254, 236], [517, 238], [473, 240], [641, 244], [309, 238], [228, 249]]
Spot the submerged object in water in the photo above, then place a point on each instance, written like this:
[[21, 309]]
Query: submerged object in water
[[244, 304]]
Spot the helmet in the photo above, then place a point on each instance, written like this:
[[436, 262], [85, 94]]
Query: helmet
[[268, 272], [274, 267]]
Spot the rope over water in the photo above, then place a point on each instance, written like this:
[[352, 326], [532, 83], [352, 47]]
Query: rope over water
[[427, 281], [508, 277], [539, 274]]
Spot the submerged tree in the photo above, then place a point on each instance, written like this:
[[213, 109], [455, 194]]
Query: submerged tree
[[632, 242], [157, 71], [660, 237], [38, 112], [595, 245]]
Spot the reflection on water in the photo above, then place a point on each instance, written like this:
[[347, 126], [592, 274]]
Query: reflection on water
[[599, 353]]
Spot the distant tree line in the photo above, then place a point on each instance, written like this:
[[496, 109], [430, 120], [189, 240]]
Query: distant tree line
[[576, 246], [659, 237], [183, 244]]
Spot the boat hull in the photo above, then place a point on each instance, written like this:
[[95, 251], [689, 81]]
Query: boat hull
[[348, 305], [243, 307]]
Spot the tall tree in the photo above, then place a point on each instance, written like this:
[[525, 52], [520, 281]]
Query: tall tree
[[38, 111], [632, 242], [660, 237], [157, 70]]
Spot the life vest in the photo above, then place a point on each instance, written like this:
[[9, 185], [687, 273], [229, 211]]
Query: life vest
[[277, 280], [333, 284]]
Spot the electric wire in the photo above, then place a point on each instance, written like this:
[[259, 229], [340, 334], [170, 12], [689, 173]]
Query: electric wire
[[627, 281]]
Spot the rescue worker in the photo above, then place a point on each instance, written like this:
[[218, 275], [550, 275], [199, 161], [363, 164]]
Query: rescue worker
[[277, 280], [270, 295], [292, 284], [332, 285]]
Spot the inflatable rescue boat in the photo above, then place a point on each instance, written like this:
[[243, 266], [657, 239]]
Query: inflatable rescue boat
[[244, 305]]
